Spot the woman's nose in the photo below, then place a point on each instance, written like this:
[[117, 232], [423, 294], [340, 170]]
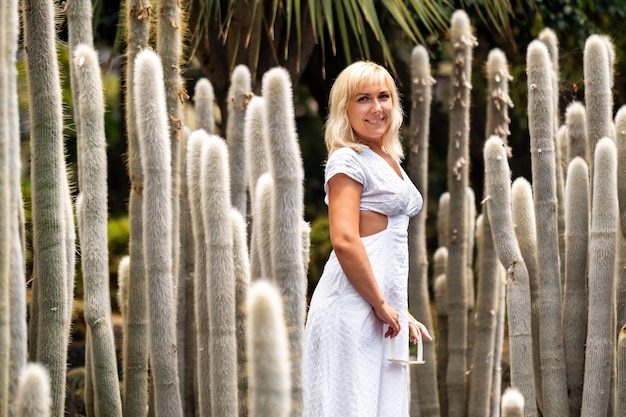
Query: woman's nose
[[376, 105]]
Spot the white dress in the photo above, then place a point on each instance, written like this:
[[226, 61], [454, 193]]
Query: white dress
[[346, 367]]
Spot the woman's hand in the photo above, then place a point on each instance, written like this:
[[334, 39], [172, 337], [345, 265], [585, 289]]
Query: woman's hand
[[388, 315], [416, 329]]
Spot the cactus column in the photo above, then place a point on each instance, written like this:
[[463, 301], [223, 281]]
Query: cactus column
[[51, 200], [543, 161], [458, 171]]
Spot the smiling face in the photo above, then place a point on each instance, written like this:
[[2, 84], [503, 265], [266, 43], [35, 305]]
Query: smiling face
[[369, 113]]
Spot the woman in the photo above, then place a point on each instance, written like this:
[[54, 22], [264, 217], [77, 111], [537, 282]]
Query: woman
[[358, 317]]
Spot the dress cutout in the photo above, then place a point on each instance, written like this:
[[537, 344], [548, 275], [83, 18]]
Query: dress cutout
[[346, 371]]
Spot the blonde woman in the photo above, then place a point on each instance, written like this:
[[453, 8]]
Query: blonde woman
[[358, 316]]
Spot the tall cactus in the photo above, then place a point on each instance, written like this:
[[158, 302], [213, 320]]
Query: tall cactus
[[498, 99], [498, 185], [463, 42], [152, 122], [264, 195], [169, 35], [92, 220], [575, 295], [620, 141], [285, 166], [238, 97], [33, 397], [218, 235], [241, 262], [440, 260], [5, 222], [424, 379], [201, 284], [135, 343], [543, 164], [524, 219], [598, 96], [268, 352], [17, 298], [599, 353], [256, 163], [50, 192]]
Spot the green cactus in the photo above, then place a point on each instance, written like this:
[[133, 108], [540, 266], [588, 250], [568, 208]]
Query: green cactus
[[238, 97], [135, 343], [463, 42], [599, 352], [216, 204], [201, 289], [543, 164], [498, 200], [152, 123], [51, 207], [256, 163], [92, 220], [268, 352], [524, 219], [575, 294], [424, 379], [33, 393], [204, 103], [285, 166]]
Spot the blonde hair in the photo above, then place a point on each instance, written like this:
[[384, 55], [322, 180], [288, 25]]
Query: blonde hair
[[338, 132]]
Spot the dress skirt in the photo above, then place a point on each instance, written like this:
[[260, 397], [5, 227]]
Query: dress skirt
[[346, 368]]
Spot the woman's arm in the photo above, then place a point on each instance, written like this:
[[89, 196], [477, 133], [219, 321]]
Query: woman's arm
[[344, 195]]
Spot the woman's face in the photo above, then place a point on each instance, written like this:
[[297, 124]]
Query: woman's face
[[369, 112]]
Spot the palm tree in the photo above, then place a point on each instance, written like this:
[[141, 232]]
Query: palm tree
[[306, 37]]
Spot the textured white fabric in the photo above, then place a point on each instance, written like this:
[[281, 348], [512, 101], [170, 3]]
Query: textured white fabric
[[346, 371]]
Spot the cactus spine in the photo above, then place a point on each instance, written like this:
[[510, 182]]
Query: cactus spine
[[285, 166], [135, 344], [92, 222], [543, 161], [201, 294], [33, 396], [216, 204], [498, 98], [238, 97], [268, 352], [498, 190], [575, 295], [152, 126], [51, 200], [463, 42], [599, 354]]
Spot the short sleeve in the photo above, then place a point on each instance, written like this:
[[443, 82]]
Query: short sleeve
[[344, 161]]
